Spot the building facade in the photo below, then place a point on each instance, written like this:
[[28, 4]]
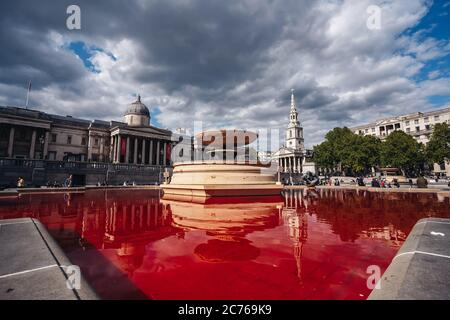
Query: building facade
[[292, 157], [27, 134], [419, 125], [31, 134]]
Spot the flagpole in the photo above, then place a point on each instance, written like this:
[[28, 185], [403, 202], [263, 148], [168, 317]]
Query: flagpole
[[28, 94]]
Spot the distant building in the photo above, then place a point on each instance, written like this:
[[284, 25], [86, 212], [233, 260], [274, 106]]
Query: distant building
[[32, 134], [419, 125], [292, 156]]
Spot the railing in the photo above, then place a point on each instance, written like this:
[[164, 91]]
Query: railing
[[77, 165], [24, 163]]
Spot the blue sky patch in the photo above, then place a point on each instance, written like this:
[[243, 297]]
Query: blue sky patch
[[154, 112], [86, 52]]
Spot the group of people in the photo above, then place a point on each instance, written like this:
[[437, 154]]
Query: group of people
[[68, 183], [384, 183]]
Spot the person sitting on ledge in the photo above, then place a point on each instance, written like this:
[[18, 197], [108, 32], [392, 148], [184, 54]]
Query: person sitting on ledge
[[375, 183], [396, 183], [360, 181], [422, 182], [20, 182]]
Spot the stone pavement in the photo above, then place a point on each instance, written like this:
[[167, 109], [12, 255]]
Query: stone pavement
[[33, 267], [421, 268]]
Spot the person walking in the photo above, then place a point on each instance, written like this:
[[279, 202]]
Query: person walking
[[69, 181]]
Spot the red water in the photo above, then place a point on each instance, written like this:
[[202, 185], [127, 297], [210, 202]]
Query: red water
[[315, 245]]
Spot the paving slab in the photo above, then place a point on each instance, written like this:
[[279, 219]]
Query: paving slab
[[421, 268], [33, 266]]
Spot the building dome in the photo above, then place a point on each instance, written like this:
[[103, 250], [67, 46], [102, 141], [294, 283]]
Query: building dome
[[137, 108], [137, 114]]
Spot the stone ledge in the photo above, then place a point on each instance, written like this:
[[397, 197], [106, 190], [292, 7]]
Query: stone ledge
[[221, 190], [421, 268], [32, 265]]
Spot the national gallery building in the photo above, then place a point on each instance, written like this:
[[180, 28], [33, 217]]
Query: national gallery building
[[33, 138], [31, 134]]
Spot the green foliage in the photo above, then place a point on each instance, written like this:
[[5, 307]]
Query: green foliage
[[400, 150], [438, 148], [350, 151], [358, 154]]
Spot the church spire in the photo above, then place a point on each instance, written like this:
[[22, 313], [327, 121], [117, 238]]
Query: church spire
[[294, 132], [293, 107]]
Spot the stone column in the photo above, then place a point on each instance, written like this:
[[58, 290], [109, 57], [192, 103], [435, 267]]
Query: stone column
[[33, 144], [11, 142], [102, 148], [135, 150], [150, 153], [127, 154], [118, 148], [164, 154], [89, 148], [111, 149], [45, 152], [158, 152], [143, 152]]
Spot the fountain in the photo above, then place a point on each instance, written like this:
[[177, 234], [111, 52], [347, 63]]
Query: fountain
[[226, 168]]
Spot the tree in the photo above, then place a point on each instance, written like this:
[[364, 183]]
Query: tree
[[402, 151], [363, 154], [329, 154], [324, 155], [351, 152], [438, 148]]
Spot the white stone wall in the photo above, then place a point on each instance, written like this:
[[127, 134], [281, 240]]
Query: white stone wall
[[61, 146], [136, 121]]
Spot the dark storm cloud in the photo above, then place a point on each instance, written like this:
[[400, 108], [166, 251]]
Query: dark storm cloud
[[223, 62], [196, 43]]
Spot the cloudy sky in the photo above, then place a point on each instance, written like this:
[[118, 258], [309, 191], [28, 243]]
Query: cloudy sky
[[228, 63]]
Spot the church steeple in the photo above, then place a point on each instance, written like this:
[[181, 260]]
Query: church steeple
[[292, 100], [294, 132]]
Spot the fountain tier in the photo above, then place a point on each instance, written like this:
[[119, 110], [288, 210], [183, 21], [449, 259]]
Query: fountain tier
[[228, 170]]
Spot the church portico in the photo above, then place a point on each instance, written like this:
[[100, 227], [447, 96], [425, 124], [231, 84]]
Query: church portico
[[290, 162]]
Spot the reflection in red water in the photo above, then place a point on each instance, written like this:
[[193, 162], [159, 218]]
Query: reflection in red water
[[307, 245]]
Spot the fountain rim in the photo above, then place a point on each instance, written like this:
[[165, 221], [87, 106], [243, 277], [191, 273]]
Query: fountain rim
[[223, 163]]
